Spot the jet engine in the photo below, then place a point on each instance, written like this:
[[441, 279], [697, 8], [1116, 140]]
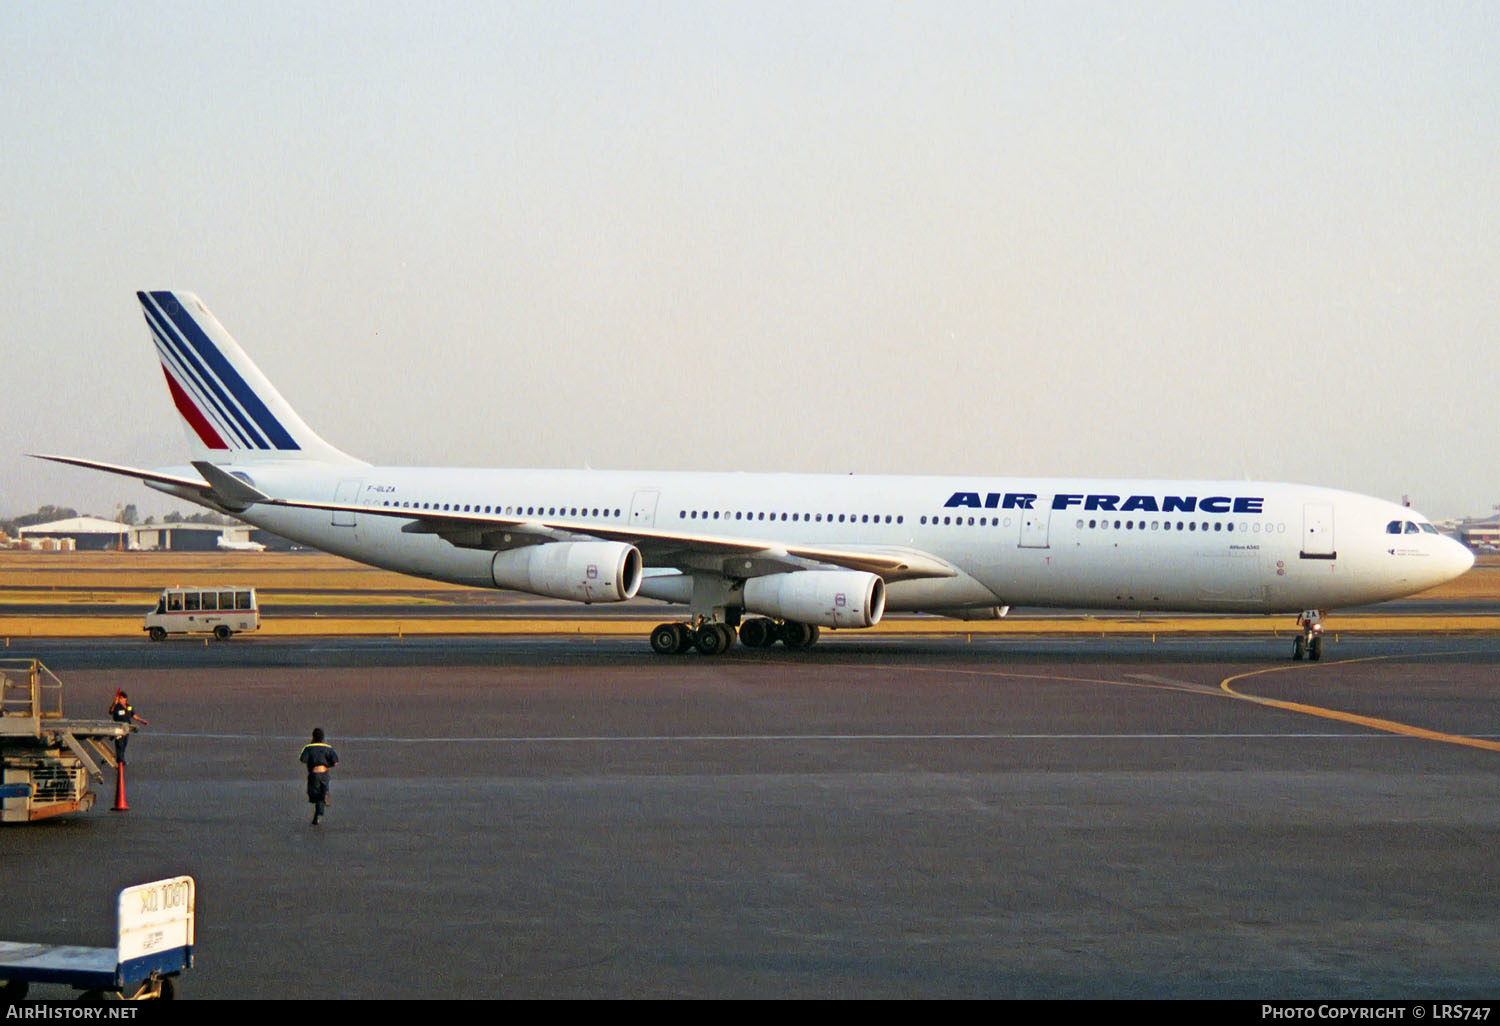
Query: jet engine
[[577, 571], [828, 598]]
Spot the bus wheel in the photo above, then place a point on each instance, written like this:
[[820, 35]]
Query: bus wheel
[[158, 634], [221, 633]]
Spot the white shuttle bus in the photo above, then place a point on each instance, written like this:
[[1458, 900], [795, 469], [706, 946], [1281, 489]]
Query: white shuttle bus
[[221, 611]]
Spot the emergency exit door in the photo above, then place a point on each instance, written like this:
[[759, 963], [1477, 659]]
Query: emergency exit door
[[346, 495], [1035, 523], [643, 507], [1317, 531]]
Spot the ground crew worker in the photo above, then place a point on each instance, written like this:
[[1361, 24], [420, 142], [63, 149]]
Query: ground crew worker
[[320, 759], [121, 711]]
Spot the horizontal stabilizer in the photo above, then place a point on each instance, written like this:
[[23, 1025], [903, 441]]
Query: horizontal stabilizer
[[229, 490], [153, 476]]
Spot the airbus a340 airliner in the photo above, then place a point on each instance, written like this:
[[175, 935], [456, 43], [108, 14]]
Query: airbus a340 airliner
[[776, 556]]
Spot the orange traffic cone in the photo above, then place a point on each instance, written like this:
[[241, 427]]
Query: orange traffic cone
[[120, 805]]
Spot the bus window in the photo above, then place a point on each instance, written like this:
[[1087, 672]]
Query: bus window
[[210, 600], [174, 602], [190, 602], [242, 600], [226, 600]]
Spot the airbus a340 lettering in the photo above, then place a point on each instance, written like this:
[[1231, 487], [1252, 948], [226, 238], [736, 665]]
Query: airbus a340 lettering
[[762, 558]]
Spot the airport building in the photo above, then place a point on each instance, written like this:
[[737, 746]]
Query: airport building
[[182, 537], [1480, 535], [91, 534]]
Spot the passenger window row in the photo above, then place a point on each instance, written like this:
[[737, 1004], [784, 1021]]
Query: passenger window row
[[970, 521], [815, 518], [1394, 527], [510, 511], [1191, 525]]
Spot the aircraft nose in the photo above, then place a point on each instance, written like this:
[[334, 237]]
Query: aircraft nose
[[1458, 557]]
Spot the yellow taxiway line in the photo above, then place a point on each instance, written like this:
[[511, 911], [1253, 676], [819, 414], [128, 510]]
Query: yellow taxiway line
[[1373, 722]]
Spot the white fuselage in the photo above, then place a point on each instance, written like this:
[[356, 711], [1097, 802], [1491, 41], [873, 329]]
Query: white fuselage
[[1106, 544]]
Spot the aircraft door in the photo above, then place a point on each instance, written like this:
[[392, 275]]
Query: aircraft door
[[348, 492], [643, 507], [1317, 531], [1036, 523]]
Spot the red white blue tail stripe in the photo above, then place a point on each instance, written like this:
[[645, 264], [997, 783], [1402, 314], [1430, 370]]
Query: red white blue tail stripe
[[218, 404]]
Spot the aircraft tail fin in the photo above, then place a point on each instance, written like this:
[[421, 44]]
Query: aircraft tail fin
[[231, 412]]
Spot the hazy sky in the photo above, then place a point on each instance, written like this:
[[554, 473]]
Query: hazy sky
[[1106, 239]]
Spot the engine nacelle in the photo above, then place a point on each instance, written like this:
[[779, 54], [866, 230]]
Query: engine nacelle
[[577, 571], [828, 598]]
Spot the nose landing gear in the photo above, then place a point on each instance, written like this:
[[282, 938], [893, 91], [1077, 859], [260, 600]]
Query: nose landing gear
[[1309, 642]]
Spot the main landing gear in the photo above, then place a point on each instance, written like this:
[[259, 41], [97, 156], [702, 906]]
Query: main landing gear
[[712, 638], [677, 638], [1309, 642]]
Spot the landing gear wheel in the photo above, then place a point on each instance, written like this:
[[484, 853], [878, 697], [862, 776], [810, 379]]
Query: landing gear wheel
[[157, 634], [712, 639], [796, 635], [665, 639], [221, 633], [1310, 639], [758, 633]]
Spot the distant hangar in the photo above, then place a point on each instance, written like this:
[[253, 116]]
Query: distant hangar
[[93, 534]]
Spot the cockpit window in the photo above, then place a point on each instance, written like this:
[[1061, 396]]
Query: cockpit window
[[1428, 529], [1394, 527], [1412, 528]]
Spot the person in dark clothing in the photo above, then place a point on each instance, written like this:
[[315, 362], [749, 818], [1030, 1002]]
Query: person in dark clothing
[[121, 711], [320, 759]]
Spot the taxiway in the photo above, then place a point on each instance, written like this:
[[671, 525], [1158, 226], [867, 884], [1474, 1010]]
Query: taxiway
[[925, 817]]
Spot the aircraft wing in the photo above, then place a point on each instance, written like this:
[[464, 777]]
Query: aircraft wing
[[733, 557]]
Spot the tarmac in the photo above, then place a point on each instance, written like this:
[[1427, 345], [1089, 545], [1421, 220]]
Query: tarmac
[[959, 815]]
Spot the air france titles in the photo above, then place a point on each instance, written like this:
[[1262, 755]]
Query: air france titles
[[1110, 503]]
